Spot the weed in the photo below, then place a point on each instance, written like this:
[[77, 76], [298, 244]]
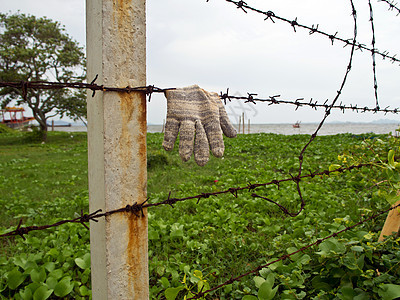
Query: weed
[[195, 245]]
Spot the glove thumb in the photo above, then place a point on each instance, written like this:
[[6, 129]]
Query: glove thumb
[[226, 125]]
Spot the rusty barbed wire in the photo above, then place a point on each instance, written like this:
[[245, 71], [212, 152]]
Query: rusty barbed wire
[[24, 85], [150, 89], [287, 256], [251, 187], [21, 230], [137, 209], [270, 15], [271, 100], [392, 5]]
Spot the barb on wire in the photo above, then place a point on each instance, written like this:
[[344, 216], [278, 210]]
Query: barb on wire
[[392, 5], [286, 256], [137, 209], [24, 85], [269, 15]]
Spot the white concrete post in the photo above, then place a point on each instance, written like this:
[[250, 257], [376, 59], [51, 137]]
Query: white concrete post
[[116, 52]]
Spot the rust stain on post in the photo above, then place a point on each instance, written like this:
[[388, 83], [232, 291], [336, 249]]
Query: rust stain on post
[[120, 11], [131, 105], [124, 20], [133, 144], [125, 142], [136, 250]]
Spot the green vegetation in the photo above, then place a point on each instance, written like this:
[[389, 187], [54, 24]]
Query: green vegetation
[[5, 129], [205, 244]]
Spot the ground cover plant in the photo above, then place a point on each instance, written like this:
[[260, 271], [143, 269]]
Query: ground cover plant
[[195, 246]]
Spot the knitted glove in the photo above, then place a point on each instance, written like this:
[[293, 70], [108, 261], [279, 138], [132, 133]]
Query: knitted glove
[[200, 118]]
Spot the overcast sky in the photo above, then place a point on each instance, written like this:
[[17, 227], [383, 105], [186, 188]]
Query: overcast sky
[[217, 46]]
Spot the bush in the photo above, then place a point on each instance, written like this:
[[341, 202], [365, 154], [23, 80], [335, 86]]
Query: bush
[[5, 129], [157, 159], [36, 135], [348, 267]]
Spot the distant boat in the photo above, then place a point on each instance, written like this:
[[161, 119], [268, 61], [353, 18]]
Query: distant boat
[[14, 117], [296, 125]]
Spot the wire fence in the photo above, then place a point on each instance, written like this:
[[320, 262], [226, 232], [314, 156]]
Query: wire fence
[[225, 96], [137, 209]]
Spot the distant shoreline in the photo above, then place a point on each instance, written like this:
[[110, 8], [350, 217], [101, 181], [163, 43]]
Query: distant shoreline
[[286, 129], [379, 122], [312, 123]]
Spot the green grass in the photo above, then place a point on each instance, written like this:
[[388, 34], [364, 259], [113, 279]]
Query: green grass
[[37, 176], [221, 236], [229, 235]]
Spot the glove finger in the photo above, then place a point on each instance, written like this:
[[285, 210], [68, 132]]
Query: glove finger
[[201, 150], [186, 138], [226, 124], [214, 136], [171, 133], [212, 125]]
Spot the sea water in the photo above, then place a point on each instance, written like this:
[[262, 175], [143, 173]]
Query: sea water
[[288, 129]]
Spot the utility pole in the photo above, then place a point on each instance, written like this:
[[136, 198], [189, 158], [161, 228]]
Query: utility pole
[[116, 54]]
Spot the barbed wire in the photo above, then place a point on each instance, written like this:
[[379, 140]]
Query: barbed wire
[[250, 98], [137, 209], [270, 15], [45, 85], [392, 5], [271, 100], [287, 256]]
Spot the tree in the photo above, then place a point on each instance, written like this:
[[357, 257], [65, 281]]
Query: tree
[[39, 49]]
